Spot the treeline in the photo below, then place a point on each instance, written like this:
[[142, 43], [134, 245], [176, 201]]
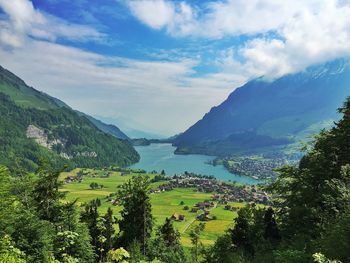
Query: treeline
[[39, 225], [77, 134]]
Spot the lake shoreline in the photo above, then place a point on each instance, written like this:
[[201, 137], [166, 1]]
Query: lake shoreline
[[161, 156]]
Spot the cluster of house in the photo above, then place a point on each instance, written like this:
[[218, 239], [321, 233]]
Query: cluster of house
[[203, 207], [71, 179], [255, 167], [224, 192]]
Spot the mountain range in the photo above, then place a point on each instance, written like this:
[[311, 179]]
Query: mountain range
[[35, 126], [269, 116]]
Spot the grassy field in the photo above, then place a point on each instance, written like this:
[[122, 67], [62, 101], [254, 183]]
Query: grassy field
[[164, 204]]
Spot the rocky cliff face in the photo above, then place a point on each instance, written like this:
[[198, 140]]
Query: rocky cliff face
[[40, 136]]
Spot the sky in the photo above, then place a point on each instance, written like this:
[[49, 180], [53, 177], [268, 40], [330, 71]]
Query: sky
[[158, 65]]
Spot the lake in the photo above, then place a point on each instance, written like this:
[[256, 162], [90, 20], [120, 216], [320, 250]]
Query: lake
[[160, 156]]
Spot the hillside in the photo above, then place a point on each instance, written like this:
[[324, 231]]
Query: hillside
[[107, 128], [266, 116], [34, 126]]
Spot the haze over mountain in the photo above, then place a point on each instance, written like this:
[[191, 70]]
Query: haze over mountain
[[265, 116]]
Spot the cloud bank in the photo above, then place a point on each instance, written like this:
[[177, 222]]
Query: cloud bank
[[24, 21], [286, 36]]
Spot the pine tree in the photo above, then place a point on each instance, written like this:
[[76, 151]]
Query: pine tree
[[169, 234], [90, 216], [109, 229], [196, 243], [271, 232], [166, 246], [137, 220]]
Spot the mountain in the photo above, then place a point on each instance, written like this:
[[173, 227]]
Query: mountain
[[107, 128], [269, 115], [35, 126], [128, 127]]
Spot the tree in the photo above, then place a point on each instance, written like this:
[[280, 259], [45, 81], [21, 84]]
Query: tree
[[137, 220], [317, 190], [94, 185], [46, 193], [166, 246], [241, 233], [9, 253], [73, 236], [195, 240], [335, 240], [119, 255], [271, 232], [109, 229], [169, 234], [222, 251], [90, 216]]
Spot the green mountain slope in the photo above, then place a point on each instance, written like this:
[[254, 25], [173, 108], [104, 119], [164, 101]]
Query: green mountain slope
[[107, 128], [34, 125], [265, 116]]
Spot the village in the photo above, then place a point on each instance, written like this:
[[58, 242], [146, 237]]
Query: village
[[257, 167], [223, 193]]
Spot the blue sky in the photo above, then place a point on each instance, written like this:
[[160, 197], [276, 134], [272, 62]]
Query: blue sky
[[159, 65]]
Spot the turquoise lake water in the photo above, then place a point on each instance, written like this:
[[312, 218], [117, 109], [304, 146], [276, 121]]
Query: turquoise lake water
[[160, 156]]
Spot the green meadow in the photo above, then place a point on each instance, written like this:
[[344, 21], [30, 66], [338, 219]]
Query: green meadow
[[164, 204]]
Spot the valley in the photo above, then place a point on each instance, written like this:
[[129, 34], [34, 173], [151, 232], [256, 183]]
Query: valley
[[164, 203]]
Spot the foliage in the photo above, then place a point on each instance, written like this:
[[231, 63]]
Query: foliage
[[319, 258], [119, 255], [9, 253], [311, 205], [137, 220], [38, 222], [166, 246], [197, 246]]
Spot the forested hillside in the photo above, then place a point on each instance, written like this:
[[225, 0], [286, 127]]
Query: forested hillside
[[35, 126]]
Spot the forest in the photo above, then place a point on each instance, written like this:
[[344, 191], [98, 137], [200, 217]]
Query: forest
[[76, 135]]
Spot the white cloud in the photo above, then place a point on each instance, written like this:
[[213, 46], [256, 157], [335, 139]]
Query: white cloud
[[154, 94], [288, 35], [313, 36], [23, 21], [177, 18], [156, 14]]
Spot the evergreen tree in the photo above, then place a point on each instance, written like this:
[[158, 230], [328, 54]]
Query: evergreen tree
[[169, 234], [271, 232], [109, 229], [46, 194], [137, 220], [241, 233], [90, 217], [166, 246], [197, 245], [317, 190]]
